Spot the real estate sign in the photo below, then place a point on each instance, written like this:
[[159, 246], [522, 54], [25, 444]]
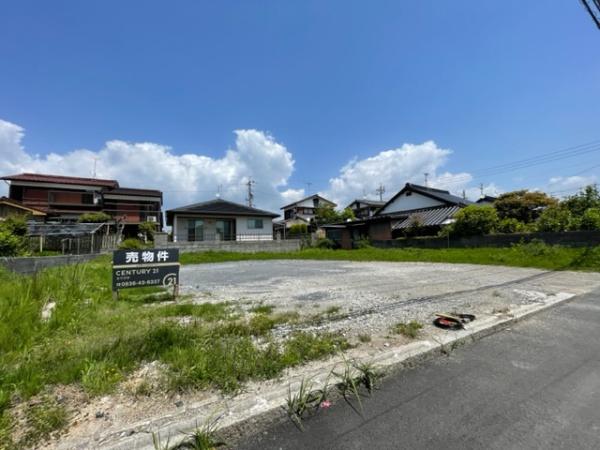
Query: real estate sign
[[148, 267]]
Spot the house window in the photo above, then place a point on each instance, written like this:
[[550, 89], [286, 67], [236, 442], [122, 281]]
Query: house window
[[195, 230], [254, 224], [87, 199]]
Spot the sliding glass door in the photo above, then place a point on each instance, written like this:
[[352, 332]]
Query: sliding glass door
[[195, 230], [225, 229]]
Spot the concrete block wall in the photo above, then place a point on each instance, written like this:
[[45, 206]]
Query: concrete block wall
[[29, 265], [289, 245]]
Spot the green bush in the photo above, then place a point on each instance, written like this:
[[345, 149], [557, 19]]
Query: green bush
[[325, 243], [475, 221], [131, 244], [510, 225], [10, 244], [363, 242], [587, 198], [554, 218], [96, 217], [15, 224], [590, 220], [148, 229], [299, 228]]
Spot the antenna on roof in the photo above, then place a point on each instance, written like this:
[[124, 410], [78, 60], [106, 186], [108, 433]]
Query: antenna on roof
[[464, 195], [308, 185], [250, 198], [219, 188], [426, 178], [380, 190], [481, 189], [94, 172]]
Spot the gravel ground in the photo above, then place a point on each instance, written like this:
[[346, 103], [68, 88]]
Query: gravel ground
[[372, 296]]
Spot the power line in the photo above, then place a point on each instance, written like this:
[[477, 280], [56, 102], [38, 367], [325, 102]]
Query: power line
[[593, 9]]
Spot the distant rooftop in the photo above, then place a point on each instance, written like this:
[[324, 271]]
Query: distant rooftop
[[43, 178]]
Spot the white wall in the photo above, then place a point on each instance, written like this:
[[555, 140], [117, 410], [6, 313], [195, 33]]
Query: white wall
[[241, 228], [241, 224], [413, 201]]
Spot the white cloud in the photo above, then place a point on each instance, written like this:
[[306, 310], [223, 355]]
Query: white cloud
[[393, 168], [183, 178], [564, 186]]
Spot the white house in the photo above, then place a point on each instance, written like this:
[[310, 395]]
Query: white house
[[220, 220], [304, 210]]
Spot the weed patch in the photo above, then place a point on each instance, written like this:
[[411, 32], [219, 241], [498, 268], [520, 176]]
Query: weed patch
[[410, 329]]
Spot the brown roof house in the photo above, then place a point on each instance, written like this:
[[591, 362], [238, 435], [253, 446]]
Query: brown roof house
[[65, 199]]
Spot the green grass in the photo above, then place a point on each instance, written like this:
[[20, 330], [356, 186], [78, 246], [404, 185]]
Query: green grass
[[523, 255], [410, 329], [95, 342], [42, 420]]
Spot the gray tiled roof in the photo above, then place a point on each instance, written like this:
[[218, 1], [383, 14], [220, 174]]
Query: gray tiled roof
[[426, 217], [220, 206]]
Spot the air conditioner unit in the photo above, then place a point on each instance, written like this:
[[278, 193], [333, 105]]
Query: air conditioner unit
[[151, 218]]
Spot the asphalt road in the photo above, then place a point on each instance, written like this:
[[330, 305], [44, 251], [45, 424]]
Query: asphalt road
[[533, 386]]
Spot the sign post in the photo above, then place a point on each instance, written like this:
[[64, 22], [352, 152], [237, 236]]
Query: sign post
[[148, 267]]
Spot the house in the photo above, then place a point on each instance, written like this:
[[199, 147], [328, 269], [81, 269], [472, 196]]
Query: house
[[364, 208], [414, 206], [10, 207], [220, 220], [65, 199], [303, 211], [486, 200]]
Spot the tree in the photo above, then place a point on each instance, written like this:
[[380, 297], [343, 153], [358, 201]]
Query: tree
[[554, 218], [510, 225], [587, 198], [590, 220], [299, 228], [523, 205], [475, 220], [147, 229], [326, 214]]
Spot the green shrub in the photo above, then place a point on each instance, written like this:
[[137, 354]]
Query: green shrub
[[475, 221], [131, 244], [97, 217], [554, 218], [148, 229], [510, 225], [298, 228], [15, 224], [10, 244], [325, 243], [590, 220], [587, 198], [363, 242]]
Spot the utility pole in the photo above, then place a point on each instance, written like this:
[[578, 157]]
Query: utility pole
[[380, 190], [426, 178], [250, 198], [481, 189]]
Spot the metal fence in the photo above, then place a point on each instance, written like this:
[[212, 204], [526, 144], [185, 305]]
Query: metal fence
[[222, 237]]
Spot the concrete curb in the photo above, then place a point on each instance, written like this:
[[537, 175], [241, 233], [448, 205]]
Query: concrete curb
[[248, 411]]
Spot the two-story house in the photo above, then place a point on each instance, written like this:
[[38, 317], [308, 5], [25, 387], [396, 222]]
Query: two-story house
[[364, 208], [303, 211], [65, 199]]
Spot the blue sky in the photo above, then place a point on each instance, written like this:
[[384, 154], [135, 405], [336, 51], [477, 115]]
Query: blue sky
[[319, 83]]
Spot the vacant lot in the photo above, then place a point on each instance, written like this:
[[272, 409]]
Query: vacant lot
[[367, 298], [74, 363]]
